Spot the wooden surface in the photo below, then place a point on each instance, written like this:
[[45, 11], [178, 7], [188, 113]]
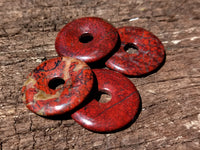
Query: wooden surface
[[170, 115]]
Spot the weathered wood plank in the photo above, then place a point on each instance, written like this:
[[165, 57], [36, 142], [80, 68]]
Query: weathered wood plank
[[170, 116]]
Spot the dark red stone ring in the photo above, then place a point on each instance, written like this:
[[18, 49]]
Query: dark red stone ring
[[148, 57], [88, 39], [42, 93], [115, 114]]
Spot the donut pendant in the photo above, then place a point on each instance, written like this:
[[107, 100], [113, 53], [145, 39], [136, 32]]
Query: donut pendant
[[42, 93], [149, 56], [115, 114], [88, 39]]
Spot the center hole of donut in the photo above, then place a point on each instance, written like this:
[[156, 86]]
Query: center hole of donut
[[103, 97], [86, 38], [131, 48], [56, 83]]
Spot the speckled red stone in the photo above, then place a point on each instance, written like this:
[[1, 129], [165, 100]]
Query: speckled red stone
[[40, 98], [102, 39], [115, 114], [149, 56]]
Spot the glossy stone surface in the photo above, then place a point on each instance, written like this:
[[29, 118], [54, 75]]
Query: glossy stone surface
[[88, 39], [115, 114], [41, 95], [149, 56]]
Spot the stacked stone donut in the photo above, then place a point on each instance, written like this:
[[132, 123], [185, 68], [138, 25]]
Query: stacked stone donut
[[66, 84]]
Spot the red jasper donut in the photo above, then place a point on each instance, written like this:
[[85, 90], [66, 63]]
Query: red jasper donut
[[41, 95], [115, 114], [150, 52], [88, 39]]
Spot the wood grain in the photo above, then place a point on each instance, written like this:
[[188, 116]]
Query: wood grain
[[170, 116]]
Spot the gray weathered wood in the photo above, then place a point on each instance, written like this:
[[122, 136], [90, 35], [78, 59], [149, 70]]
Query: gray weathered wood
[[170, 116]]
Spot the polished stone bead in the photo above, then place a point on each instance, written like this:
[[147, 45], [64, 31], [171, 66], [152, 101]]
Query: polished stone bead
[[57, 86], [148, 57], [88, 39], [115, 114]]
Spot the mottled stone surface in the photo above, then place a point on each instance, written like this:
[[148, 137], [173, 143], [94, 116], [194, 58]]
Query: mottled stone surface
[[88, 39], [148, 57], [114, 114], [41, 91]]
